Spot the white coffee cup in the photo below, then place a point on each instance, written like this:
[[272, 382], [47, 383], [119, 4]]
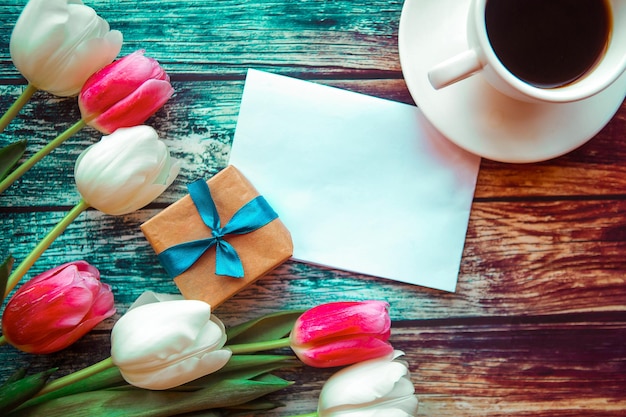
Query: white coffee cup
[[481, 58]]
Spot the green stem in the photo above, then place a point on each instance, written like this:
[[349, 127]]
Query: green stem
[[17, 106], [52, 145], [21, 270], [77, 376], [306, 415], [257, 346]]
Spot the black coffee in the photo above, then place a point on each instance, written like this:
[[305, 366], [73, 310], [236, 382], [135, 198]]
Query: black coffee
[[548, 43]]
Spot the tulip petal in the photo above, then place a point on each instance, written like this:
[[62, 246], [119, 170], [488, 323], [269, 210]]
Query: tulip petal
[[38, 33], [125, 170], [158, 332], [149, 297], [103, 304], [385, 376], [341, 333], [135, 108], [161, 345], [88, 57], [57, 45], [149, 191], [81, 266], [66, 302], [75, 299], [125, 93], [62, 341], [178, 373], [378, 384], [333, 320], [341, 352], [116, 81], [371, 412], [56, 308]]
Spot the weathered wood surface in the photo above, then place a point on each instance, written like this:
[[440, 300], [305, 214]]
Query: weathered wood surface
[[537, 326]]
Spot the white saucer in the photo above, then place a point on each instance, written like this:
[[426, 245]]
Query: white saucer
[[473, 114]]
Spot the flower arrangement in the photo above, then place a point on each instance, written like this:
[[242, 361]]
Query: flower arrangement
[[169, 355], [123, 94], [57, 46], [175, 352]]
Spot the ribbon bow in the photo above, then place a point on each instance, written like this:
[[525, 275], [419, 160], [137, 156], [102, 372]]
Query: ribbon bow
[[252, 216]]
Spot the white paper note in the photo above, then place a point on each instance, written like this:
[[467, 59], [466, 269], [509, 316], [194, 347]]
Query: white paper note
[[363, 184]]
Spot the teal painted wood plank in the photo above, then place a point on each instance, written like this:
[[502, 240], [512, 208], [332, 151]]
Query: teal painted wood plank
[[226, 37]]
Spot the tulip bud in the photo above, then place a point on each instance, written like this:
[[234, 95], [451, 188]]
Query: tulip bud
[[124, 93], [125, 171], [57, 46], [56, 308], [165, 344], [378, 387], [337, 334]]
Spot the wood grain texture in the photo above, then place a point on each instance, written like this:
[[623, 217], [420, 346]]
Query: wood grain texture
[[557, 366], [225, 38], [537, 326], [520, 258], [199, 122]]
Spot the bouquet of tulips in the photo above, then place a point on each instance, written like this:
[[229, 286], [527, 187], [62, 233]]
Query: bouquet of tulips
[[63, 47], [169, 355]]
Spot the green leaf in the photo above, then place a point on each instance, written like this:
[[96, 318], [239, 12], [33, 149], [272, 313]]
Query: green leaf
[[258, 372], [257, 405], [240, 367], [5, 271], [146, 403], [107, 378], [205, 413], [239, 362], [10, 155], [269, 378], [16, 376], [17, 392], [269, 327]]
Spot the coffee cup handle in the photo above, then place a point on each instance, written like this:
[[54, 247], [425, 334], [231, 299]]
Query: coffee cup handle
[[454, 69]]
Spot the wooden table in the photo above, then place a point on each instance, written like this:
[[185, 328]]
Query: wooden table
[[537, 326]]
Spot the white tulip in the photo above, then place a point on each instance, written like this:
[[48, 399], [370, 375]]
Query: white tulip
[[125, 170], [58, 44], [379, 387], [164, 344]]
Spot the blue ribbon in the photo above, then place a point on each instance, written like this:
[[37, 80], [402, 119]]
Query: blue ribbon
[[252, 216]]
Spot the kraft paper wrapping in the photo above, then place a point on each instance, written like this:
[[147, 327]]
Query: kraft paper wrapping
[[260, 251]]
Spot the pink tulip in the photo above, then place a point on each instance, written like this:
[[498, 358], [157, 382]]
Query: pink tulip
[[342, 333], [56, 308], [125, 93]]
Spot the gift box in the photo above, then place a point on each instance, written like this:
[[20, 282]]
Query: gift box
[[203, 263]]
